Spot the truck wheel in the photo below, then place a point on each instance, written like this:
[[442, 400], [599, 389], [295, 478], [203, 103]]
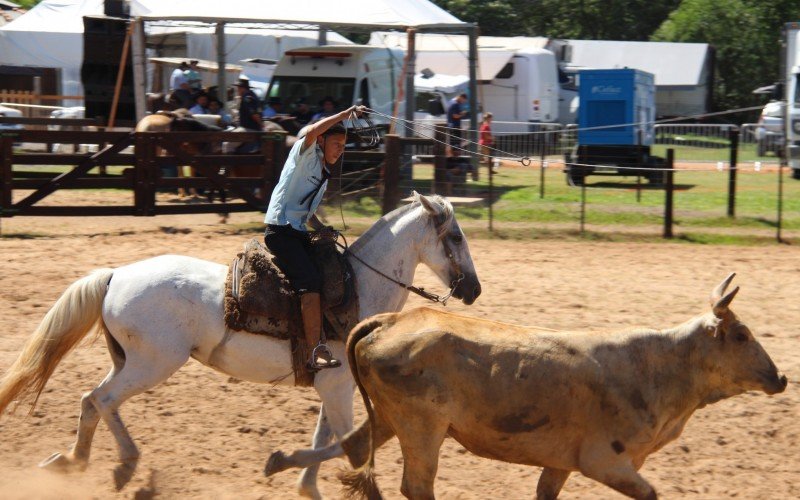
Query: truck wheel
[[575, 178], [796, 173]]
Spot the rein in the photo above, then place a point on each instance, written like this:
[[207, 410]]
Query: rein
[[411, 288]]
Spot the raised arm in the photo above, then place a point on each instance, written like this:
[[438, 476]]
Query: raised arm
[[318, 128]]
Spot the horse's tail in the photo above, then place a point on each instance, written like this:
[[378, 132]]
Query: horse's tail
[[73, 315], [361, 482]]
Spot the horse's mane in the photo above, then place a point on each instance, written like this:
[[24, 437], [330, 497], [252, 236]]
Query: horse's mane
[[443, 224]]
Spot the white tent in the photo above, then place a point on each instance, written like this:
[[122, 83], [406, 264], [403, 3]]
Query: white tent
[[50, 35], [369, 13], [447, 54]]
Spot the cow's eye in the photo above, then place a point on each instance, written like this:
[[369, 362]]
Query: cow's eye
[[741, 337]]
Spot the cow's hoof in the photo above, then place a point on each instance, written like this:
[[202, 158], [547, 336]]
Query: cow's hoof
[[123, 473], [276, 463], [62, 463]]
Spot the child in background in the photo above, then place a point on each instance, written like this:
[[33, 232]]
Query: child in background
[[486, 140]]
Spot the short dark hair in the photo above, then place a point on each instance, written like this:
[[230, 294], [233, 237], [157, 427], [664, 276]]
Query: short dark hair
[[463, 94], [336, 129]]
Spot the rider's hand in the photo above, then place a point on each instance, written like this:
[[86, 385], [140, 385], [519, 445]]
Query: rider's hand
[[359, 110]]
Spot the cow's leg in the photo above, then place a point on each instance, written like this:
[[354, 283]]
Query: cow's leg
[[420, 442], [550, 483], [617, 472]]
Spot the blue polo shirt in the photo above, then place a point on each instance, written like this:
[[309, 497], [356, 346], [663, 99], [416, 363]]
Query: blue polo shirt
[[300, 188]]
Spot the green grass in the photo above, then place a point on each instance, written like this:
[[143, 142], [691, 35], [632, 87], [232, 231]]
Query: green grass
[[700, 201]]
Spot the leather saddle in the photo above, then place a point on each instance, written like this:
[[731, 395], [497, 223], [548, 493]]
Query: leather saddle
[[259, 299]]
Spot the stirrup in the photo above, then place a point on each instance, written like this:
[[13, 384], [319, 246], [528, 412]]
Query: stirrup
[[322, 350]]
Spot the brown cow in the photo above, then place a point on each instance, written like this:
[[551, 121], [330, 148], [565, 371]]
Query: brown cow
[[598, 403]]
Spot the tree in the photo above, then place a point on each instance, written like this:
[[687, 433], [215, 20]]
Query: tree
[[583, 19], [746, 36]]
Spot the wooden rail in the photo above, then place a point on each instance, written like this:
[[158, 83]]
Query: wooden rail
[[145, 172]]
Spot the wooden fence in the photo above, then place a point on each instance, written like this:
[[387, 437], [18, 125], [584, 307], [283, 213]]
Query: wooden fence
[[250, 177]]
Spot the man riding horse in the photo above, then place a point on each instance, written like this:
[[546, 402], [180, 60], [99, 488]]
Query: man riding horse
[[293, 205]]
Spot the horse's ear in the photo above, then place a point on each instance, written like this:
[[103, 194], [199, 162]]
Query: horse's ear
[[431, 207]]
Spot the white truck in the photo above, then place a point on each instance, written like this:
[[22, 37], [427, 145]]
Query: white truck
[[791, 84], [349, 74]]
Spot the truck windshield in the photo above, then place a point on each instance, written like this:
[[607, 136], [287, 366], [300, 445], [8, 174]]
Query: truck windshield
[[313, 90], [797, 91]]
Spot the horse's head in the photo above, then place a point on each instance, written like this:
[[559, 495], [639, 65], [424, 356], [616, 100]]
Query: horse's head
[[447, 251]]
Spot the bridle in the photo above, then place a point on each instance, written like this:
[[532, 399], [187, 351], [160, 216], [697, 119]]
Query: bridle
[[455, 267]]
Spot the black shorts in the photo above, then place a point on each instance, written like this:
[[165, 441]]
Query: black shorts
[[294, 256], [455, 136]]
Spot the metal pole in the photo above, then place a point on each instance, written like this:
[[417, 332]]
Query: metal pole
[[583, 207], [222, 84], [541, 170], [472, 31], [780, 200], [668, 201], [410, 104], [734, 139]]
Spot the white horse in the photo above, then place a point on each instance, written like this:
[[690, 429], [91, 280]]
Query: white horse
[[157, 313]]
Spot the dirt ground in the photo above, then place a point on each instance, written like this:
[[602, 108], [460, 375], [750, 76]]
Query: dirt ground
[[203, 435]]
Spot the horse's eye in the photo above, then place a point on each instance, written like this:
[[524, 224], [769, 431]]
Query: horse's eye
[[457, 238]]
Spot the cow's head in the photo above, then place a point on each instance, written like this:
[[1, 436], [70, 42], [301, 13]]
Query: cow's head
[[739, 361]]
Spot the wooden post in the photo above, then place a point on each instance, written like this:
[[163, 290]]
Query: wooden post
[[123, 61], [141, 176], [734, 138], [668, 207], [391, 173], [439, 160], [6, 174]]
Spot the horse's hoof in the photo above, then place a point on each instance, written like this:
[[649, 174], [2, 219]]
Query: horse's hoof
[[123, 473], [276, 463], [60, 463]]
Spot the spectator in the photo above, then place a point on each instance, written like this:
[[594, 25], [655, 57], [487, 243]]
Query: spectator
[[455, 112], [179, 86], [274, 108], [302, 113], [486, 140], [328, 106], [249, 108], [193, 76], [215, 108], [201, 104]]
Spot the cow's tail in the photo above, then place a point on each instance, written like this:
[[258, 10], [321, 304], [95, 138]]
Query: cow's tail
[[361, 482], [71, 318]]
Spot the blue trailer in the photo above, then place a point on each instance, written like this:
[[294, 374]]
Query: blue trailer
[[615, 126]]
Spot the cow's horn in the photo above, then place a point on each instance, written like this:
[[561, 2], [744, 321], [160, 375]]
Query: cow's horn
[[722, 304], [716, 295]]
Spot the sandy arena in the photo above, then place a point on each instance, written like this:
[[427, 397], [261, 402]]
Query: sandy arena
[[203, 435]]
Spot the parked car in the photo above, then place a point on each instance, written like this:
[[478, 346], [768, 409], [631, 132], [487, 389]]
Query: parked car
[[769, 133], [11, 113]]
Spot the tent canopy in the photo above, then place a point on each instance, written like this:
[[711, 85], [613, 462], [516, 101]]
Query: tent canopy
[[673, 64], [447, 54], [394, 14]]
